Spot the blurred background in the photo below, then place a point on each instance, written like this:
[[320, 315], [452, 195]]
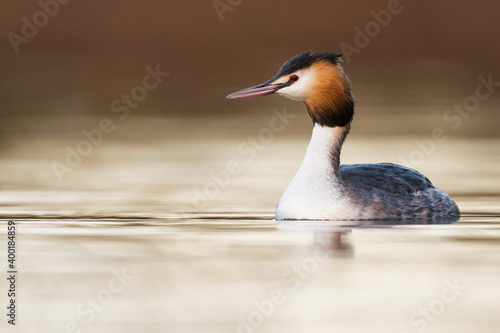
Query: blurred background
[[62, 71]]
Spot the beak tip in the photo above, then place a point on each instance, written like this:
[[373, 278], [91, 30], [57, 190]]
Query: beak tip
[[233, 96]]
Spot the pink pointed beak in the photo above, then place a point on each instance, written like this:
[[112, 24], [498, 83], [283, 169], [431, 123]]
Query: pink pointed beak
[[260, 90]]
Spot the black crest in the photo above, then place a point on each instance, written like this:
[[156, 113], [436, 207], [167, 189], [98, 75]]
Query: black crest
[[306, 59]]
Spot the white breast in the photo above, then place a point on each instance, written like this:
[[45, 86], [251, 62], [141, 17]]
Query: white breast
[[315, 193]]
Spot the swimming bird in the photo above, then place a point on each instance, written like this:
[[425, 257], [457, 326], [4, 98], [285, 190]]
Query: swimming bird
[[323, 189]]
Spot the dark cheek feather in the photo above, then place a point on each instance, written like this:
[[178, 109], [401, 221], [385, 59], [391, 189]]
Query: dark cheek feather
[[333, 115]]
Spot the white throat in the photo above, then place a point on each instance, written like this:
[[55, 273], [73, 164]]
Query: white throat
[[322, 157], [317, 186]]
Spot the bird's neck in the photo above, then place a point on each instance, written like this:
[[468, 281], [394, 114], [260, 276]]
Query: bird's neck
[[322, 159]]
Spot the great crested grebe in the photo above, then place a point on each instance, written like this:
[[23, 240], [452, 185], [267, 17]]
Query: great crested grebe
[[323, 189]]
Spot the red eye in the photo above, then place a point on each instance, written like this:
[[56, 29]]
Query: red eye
[[294, 78]]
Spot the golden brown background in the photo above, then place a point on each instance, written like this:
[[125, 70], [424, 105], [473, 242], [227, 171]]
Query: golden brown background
[[92, 51]]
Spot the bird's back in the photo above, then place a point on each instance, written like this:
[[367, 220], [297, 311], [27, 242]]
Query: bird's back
[[392, 191]]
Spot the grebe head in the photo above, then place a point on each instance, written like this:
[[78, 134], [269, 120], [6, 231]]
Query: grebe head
[[318, 80]]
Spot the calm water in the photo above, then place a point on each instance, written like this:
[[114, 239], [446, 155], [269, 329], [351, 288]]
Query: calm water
[[167, 226]]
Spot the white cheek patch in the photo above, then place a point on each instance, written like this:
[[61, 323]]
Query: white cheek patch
[[299, 89]]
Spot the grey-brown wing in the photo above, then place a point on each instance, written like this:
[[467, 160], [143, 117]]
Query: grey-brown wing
[[385, 177]]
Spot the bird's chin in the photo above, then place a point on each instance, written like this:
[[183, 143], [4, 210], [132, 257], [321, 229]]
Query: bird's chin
[[295, 98]]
